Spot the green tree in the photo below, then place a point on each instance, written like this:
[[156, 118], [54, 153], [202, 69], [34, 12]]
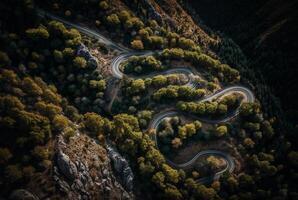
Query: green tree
[[31, 87], [38, 33], [60, 122], [124, 15], [176, 143], [205, 193], [155, 157], [159, 81], [171, 174], [171, 192], [137, 44], [113, 20], [103, 5], [80, 62], [221, 131], [137, 86], [159, 179], [95, 124], [134, 23]]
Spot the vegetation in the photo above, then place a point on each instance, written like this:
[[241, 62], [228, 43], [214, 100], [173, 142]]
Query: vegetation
[[30, 117], [211, 108], [51, 85]]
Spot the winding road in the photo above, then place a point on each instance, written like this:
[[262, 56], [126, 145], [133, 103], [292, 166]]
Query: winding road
[[126, 53]]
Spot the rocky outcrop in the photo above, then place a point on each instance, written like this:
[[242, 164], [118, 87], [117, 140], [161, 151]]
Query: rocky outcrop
[[22, 194], [121, 167], [66, 166], [84, 52], [82, 170]]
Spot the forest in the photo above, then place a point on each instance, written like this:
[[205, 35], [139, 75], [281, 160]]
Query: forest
[[111, 99]]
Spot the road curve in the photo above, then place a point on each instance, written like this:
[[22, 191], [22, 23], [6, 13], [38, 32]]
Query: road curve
[[126, 53]]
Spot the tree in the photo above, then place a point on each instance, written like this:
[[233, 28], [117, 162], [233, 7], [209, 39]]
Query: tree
[[221, 131], [104, 5], [113, 20], [68, 52], [137, 44], [94, 123], [249, 143], [159, 81], [205, 193], [172, 193], [247, 109], [48, 109], [176, 143], [8, 103], [159, 179], [155, 157], [124, 15], [222, 109], [31, 87], [190, 184], [171, 174], [67, 13], [134, 23], [37, 33], [51, 97], [214, 163], [137, 86], [9, 77], [80, 62], [156, 41], [186, 43], [174, 53], [146, 168], [58, 56], [60, 122]]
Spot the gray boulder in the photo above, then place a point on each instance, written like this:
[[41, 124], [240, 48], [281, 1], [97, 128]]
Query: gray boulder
[[66, 166], [122, 168]]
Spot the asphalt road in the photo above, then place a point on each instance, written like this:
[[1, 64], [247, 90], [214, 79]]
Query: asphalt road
[[126, 53]]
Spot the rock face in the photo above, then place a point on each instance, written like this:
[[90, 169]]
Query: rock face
[[66, 166], [82, 170], [84, 52], [122, 168], [22, 194]]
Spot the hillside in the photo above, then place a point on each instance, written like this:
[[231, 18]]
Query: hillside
[[266, 31], [136, 99]]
